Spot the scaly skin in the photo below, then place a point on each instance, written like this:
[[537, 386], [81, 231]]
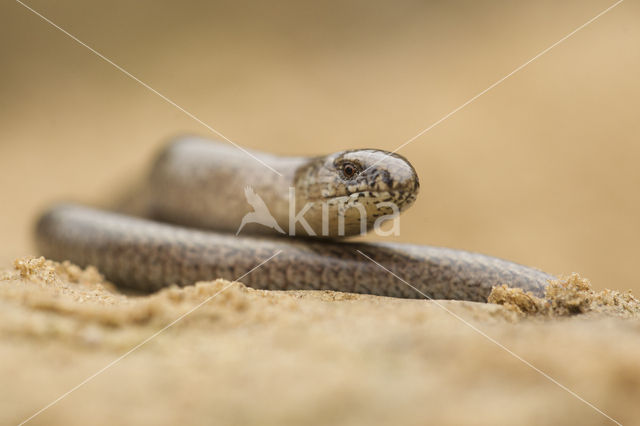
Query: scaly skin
[[200, 184], [149, 255]]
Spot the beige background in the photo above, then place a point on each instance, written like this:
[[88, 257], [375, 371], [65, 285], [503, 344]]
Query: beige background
[[542, 170]]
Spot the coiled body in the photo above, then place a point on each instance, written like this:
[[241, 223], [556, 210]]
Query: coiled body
[[149, 255]]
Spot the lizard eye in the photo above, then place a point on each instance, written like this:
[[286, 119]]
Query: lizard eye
[[349, 170]]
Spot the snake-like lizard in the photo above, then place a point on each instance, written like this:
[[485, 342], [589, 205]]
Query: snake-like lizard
[[197, 183]]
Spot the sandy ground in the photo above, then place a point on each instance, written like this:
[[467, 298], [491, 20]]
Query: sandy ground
[[542, 170], [243, 356]]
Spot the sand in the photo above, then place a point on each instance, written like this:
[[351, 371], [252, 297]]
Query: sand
[[222, 353]]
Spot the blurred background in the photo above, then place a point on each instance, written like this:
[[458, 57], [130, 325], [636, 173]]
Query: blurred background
[[542, 170]]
